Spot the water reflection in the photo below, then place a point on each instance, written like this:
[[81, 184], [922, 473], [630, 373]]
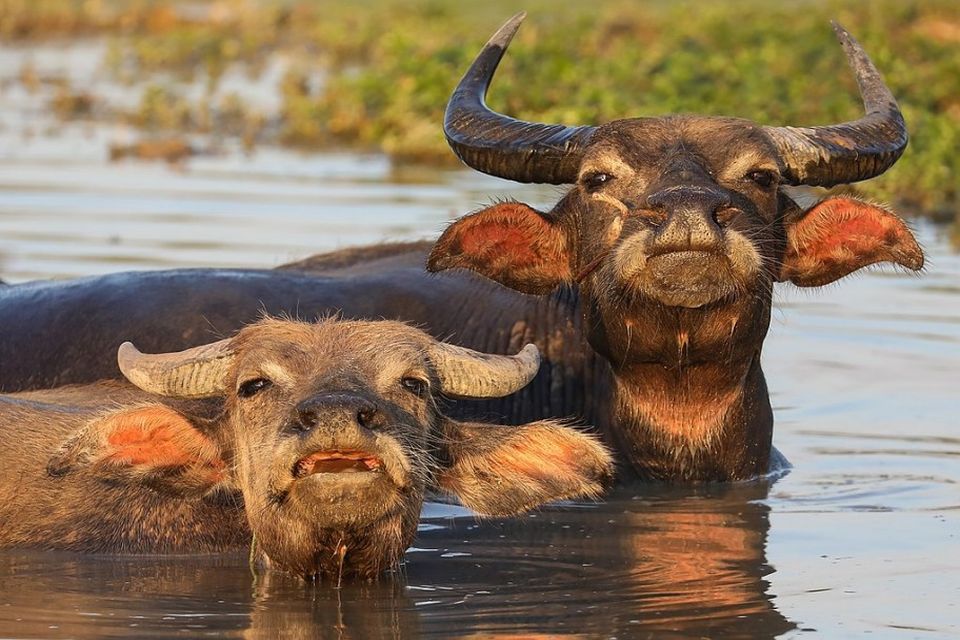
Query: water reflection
[[648, 560], [674, 563], [291, 610]]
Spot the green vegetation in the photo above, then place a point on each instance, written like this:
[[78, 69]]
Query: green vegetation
[[390, 65]]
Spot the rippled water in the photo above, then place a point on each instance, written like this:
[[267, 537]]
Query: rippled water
[[861, 538]]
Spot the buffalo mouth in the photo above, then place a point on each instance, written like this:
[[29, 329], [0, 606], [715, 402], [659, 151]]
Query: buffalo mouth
[[337, 462], [688, 278], [685, 259]]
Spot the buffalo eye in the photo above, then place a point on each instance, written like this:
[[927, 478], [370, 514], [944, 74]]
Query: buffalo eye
[[252, 387], [416, 386], [594, 181], [763, 178]]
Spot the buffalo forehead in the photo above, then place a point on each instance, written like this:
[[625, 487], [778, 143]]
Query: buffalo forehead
[[653, 142], [373, 348]]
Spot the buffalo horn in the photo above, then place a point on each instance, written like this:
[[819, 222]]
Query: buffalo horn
[[194, 373], [465, 373], [502, 146], [851, 151]]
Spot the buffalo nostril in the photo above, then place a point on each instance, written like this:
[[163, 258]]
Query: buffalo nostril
[[366, 416], [306, 419], [724, 216]]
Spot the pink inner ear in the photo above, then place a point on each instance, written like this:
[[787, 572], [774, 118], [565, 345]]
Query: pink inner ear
[[510, 243], [839, 236], [499, 240], [513, 234], [157, 437]]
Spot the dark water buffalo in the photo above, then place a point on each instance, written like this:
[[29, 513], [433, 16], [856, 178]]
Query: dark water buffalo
[[316, 440], [652, 276]]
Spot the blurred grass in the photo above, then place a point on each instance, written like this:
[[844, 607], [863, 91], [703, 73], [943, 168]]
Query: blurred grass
[[389, 65]]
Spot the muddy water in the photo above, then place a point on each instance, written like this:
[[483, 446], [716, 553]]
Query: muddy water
[[861, 538]]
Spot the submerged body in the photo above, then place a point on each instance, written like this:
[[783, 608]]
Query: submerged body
[[40, 510]]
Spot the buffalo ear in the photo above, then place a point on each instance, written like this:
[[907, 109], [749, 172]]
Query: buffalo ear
[[837, 236], [150, 445], [500, 470], [510, 243]]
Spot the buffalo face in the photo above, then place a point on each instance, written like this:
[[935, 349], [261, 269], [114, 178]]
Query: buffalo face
[[333, 434], [678, 211]]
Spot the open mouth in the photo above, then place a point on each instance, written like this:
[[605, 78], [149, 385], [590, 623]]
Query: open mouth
[[337, 462]]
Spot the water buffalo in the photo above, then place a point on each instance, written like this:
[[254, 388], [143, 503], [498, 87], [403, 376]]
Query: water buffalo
[[316, 441], [652, 276]]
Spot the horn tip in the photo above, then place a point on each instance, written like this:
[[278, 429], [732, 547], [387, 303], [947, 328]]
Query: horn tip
[[842, 34], [532, 352], [505, 34], [127, 358], [125, 352]]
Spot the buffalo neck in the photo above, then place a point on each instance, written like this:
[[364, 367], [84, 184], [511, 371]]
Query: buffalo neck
[[689, 397]]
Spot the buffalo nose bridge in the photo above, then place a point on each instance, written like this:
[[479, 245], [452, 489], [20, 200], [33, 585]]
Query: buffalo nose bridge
[[690, 215], [337, 407]]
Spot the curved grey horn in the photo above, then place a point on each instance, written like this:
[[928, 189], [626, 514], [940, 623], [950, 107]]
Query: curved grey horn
[[194, 373], [501, 146], [852, 151], [465, 373]]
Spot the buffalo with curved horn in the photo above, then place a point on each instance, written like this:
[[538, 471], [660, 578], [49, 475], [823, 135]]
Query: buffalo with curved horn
[[653, 273], [675, 231]]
